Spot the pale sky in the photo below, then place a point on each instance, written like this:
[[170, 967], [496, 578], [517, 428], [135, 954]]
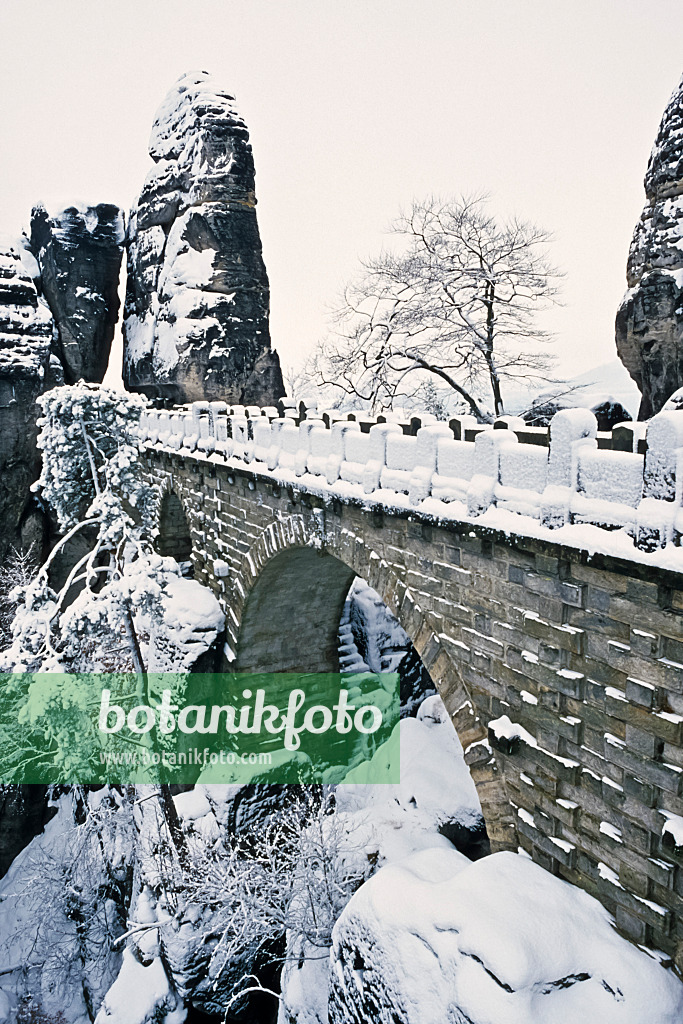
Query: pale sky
[[354, 108]]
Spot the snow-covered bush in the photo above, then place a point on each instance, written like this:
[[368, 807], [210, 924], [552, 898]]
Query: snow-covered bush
[[18, 570], [288, 877], [90, 478], [118, 598]]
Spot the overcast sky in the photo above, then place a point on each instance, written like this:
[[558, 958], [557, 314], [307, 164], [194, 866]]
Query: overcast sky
[[354, 108]]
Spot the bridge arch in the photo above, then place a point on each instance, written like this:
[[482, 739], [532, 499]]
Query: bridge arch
[[287, 601], [507, 624], [174, 536]]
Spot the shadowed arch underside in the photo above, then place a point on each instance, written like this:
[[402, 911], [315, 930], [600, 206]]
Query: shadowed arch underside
[[286, 604], [291, 619], [174, 532]]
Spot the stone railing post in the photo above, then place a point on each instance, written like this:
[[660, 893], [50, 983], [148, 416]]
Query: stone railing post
[[570, 429], [482, 486], [655, 517]]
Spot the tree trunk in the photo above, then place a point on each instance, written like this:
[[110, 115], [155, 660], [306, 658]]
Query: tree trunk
[[498, 407]]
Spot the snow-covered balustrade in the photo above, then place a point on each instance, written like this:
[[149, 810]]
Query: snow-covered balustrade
[[239, 429], [339, 431], [572, 481], [454, 469], [522, 476], [357, 455], [320, 449], [263, 440], [400, 461], [659, 520], [290, 439], [609, 487]]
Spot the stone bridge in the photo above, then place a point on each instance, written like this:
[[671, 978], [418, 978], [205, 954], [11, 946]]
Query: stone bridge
[[556, 646]]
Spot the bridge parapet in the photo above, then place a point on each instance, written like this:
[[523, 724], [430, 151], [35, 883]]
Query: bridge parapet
[[575, 479]]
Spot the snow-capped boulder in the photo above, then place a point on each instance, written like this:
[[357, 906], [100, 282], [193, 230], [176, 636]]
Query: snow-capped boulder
[[609, 412], [141, 995], [497, 941], [434, 805], [197, 300], [79, 253], [189, 637], [25, 372], [649, 324]]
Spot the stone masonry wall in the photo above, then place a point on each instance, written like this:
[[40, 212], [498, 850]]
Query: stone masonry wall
[[563, 676]]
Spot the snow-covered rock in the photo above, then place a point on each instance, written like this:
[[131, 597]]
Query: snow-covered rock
[[370, 638], [433, 806], [79, 252], [649, 325], [435, 803], [25, 372], [193, 621], [196, 316], [61, 908], [141, 995], [436, 939]]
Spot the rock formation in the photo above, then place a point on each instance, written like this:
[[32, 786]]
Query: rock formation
[[434, 939], [371, 639], [58, 308], [649, 324], [79, 254], [197, 300], [25, 372]]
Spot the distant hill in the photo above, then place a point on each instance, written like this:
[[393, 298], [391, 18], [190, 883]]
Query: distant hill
[[610, 380]]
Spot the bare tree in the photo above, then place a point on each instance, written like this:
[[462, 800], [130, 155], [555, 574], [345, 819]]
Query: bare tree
[[288, 876], [457, 305]]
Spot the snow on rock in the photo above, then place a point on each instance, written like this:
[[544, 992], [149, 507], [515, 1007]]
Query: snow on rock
[[193, 622], [500, 941], [434, 806], [141, 995], [26, 371], [435, 799], [192, 804], [189, 606], [36, 930], [197, 297], [649, 325], [79, 251]]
